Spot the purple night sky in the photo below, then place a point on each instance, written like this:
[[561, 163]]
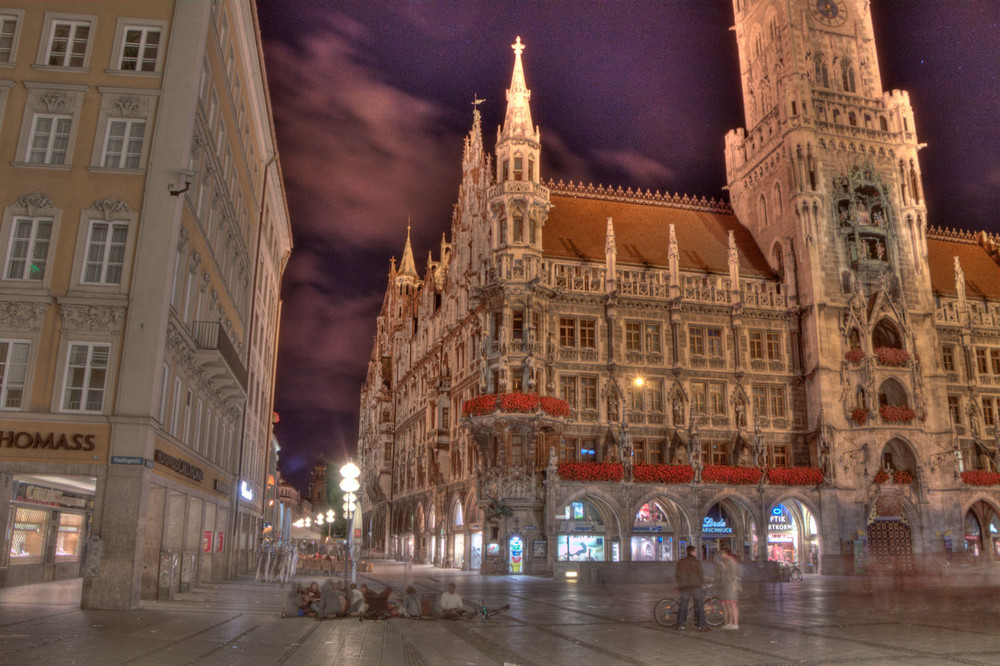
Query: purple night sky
[[372, 101]]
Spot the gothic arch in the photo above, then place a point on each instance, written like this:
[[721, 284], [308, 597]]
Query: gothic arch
[[898, 454], [607, 508], [675, 511], [762, 211], [886, 333], [892, 393], [778, 206]]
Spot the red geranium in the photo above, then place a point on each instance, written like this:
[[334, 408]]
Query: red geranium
[[902, 477], [795, 476], [518, 402], [859, 415], [590, 471], [854, 356], [480, 405], [730, 475], [663, 473], [979, 477], [554, 406], [896, 414], [892, 356], [881, 477]]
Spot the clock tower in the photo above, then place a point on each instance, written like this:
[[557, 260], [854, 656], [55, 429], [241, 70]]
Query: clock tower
[[826, 177]]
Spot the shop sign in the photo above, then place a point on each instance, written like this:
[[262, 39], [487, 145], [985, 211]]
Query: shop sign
[[218, 542], [357, 532], [127, 460], [779, 521], [715, 525], [246, 492], [475, 526], [54, 441], [221, 486], [584, 527], [182, 467], [206, 542], [647, 528]]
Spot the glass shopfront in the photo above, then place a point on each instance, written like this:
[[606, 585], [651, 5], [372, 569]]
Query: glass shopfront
[[581, 534], [652, 535], [47, 528]]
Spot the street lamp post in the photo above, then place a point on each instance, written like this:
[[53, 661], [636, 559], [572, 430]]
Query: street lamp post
[[349, 484]]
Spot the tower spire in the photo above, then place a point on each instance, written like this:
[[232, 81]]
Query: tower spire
[[517, 122], [407, 267]]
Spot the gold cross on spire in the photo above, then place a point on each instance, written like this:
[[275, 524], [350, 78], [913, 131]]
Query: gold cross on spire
[[517, 46]]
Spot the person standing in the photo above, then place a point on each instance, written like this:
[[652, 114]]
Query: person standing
[[727, 586], [690, 579]]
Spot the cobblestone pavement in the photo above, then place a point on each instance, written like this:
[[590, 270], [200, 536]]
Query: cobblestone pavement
[[821, 620]]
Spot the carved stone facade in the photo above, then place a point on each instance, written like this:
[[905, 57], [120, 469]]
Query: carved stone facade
[[816, 372]]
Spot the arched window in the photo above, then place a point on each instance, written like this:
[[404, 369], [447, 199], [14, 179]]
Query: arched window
[[777, 199], [852, 119], [762, 211], [822, 74], [836, 115], [779, 260], [847, 75], [854, 339], [883, 125], [572, 546], [891, 393], [886, 334]]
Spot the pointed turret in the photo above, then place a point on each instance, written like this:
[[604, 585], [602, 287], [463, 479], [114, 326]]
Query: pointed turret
[[610, 257], [517, 122], [407, 268]]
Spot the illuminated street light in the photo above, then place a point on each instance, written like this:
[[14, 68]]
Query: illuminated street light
[[349, 484]]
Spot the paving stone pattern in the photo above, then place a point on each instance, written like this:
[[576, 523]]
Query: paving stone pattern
[[822, 620]]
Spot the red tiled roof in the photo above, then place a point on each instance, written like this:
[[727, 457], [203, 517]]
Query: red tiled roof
[[982, 273], [576, 229]]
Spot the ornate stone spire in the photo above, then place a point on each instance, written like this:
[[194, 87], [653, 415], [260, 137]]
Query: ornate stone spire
[[673, 259], [734, 263], [960, 285], [517, 122], [407, 268]]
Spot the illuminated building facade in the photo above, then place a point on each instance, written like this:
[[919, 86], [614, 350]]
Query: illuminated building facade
[[143, 236], [603, 376]]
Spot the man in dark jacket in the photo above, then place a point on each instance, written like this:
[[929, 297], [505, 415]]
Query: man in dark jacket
[[691, 583]]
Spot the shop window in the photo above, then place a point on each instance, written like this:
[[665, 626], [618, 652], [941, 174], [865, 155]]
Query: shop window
[[69, 535], [27, 539]]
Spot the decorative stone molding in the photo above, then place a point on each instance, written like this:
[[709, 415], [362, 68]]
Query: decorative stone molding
[[127, 105], [206, 281], [183, 239], [53, 101], [195, 262], [110, 207], [34, 203], [22, 316], [93, 318]]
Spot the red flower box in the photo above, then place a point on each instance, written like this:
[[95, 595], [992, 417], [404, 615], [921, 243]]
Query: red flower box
[[795, 476], [860, 415], [730, 475], [881, 477], [896, 414], [590, 471], [892, 356], [980, 477], [663, 473], [902, 477], [854, 356], [521, 403]]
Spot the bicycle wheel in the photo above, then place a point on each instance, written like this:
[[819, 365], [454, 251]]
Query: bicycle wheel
[[665, 612], [713, 612], [796, 575]]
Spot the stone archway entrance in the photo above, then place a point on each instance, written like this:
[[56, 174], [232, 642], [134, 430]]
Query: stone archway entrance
[[890, 547]]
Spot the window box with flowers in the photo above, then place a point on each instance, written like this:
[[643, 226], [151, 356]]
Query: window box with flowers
[[860, 415], [854, 356], [892, 356], [730, 475], [795, 476], [899, 477], [515, 403], [978, 477], [896, 414], [663, 473], [590, 471]]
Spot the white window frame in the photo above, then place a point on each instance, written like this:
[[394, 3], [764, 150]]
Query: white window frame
[[129, 106], [51, 135], [106, 248], [114, 213], [127, 138], [121, 43], [53, 100], [53, 19], [5, 373], [88, 370], [13, 17], [33, 241]]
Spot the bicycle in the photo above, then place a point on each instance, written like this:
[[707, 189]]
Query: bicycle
[[665, 611], [791, 573], [486, 613]]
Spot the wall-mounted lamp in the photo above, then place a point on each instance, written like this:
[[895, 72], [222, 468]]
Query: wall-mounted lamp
[[177, 193]]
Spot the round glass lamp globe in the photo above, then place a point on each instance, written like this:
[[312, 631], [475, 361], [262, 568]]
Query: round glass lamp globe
[[350, 471], [349, 485]]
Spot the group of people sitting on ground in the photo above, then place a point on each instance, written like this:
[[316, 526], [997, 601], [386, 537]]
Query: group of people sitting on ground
[[335, 600]]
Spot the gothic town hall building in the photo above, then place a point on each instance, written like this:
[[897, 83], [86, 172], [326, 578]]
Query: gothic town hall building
[[586, 380]]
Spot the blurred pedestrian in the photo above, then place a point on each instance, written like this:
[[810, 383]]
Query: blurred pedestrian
[[728, 586]]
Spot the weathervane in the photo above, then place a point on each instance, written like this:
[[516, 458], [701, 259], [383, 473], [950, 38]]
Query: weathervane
[[476, 101]]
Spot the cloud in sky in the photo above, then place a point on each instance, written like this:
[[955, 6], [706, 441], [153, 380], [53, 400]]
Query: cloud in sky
[[639, 169]]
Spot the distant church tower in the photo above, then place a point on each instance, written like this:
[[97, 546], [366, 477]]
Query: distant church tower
[[317, 487], [827, 179]]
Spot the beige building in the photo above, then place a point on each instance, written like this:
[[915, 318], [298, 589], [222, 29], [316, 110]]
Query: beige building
[[144, 235], [591, 378]]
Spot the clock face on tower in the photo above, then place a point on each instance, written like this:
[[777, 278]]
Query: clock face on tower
[[829, 12]]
